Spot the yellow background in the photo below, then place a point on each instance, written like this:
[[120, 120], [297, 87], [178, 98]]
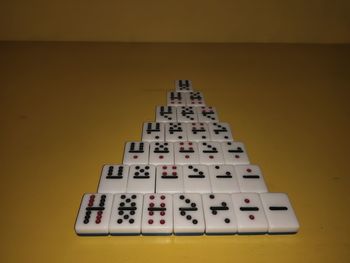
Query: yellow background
[[66, 109], [223, 21]]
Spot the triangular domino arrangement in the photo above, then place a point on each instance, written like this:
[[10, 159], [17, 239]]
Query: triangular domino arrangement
[[186, 177]]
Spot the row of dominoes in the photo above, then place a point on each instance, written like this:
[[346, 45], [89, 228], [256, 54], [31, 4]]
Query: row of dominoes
[[181, 179], [185, 214], [179, 131], [186, 114], [158, 153], [187, 176], [192, 98]]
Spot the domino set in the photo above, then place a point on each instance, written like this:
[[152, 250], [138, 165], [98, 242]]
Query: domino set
[[187, 176]]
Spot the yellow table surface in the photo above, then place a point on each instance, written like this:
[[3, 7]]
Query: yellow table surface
[[68, 108]]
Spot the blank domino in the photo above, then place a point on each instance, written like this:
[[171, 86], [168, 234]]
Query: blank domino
[[279, 212]]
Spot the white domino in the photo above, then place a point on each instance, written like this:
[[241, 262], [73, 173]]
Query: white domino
[[249, 213], [161, 153], [157, 216], [183, 85], [113, 179], [196, 179], [169, 179], [186, 153], [207, 114], [153, 132], [250, 179], [220, 131], [166, 114], [136, 153], [195, 98], [223, 179], [188, 214], [210, 153], [142, 179], [94, 213], [175, 131], [234, 153], [219, 214], [186, 114], [176, 98], [279, 212], [126, 214], [198, 132]]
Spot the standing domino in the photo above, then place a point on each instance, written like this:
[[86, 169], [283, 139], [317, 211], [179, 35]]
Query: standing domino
[[161, 153], [188, 214], [113, 179], [126, 214], [220, 131], [249, 213], [207, 114], [186, 153], [279, 212], [175, 131], [94, 214], [136, 153], [183, 85], [219, 215], [169, 179], [234, 153], [250, 179], [210, 153], [142, 179], [223, 179], [157, 216], [176, 98], [153, 132], [165, 114], [195, 98], [198, 132], [186, 114], [196, 179]]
